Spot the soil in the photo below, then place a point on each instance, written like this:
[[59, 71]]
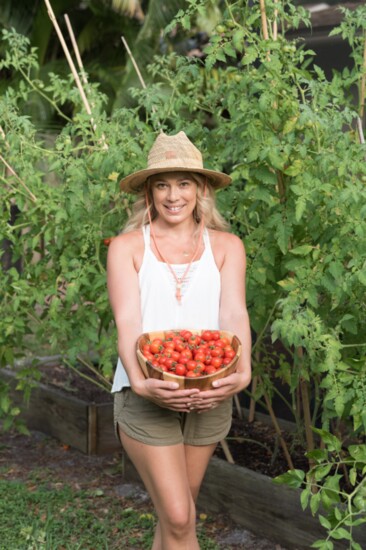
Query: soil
[[254, 445]]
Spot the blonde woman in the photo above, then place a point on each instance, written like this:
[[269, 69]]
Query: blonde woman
[[175, 266]]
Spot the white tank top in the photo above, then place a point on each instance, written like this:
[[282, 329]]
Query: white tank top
[[160, 310]]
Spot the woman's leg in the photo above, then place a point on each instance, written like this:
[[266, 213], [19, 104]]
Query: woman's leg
[[197, 459], [163, 469]]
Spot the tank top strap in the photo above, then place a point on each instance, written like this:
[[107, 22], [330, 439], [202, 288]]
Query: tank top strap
[[146, 234]]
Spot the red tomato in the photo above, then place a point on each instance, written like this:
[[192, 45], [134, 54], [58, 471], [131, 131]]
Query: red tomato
[[180, 369], [210, 369], [191, 364], [168, 344], [206, 335], [216, 362], [215, 335], [192, 374], [186, 353], [149, 356], [217, 352], [230, 353], [169, 362], [178, 345], [194, 340], [199, 355], [156, 345], [200, 367], [226, 360], [175, 355], [225, 341], [186, 334]]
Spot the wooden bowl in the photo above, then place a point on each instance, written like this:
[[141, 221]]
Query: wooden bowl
[[202, 382]]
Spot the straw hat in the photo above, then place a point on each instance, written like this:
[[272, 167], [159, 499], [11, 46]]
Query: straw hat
[[173, 154]]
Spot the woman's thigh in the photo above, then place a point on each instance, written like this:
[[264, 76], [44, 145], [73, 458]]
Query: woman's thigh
[[163, 472]]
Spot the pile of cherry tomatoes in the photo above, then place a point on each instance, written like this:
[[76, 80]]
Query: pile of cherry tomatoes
[[187, 354]]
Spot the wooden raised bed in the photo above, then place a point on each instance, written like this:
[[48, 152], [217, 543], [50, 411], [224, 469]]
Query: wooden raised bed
[[86, 426]]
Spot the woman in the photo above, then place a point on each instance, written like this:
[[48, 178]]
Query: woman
[[175, 266]]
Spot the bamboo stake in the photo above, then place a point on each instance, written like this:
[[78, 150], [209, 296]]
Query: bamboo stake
[[80, 63], [363, 82], [238, 407], [71, 63], [228, 455], [13, 173], [264, 19], [136, 67], [76, 49], [360, 130], [275, 24], [251, 414]]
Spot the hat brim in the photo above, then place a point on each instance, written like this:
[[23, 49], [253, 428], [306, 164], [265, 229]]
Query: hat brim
[[134, 182]]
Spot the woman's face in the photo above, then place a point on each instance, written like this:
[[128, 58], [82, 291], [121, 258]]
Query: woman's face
[[174, 195]]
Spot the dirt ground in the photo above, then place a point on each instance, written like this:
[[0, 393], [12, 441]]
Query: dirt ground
[[20, 455]]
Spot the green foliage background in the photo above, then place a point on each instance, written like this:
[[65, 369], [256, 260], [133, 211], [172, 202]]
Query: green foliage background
[[286, 135]]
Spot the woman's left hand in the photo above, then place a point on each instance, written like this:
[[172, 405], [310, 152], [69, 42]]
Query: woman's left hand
[[222, 389]]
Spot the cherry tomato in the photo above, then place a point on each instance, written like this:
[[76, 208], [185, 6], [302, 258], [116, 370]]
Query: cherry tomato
[[216, 362], [199, 355], [156, 345], [206, 335], [200, 367], [217, 352], [230, 353], [192, 374], [180, 369], [186, 353], [191, 364], [210, 369]]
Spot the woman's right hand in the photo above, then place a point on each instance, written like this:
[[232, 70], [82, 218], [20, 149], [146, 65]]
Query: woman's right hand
[[166, 394]]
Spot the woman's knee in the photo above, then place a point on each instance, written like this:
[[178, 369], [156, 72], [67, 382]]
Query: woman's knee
[[180, 520]]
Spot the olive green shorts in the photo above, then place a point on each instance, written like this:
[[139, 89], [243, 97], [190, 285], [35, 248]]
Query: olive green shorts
[[153, 425]]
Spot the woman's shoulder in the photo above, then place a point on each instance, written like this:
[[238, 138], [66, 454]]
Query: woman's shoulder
[[127, 242], [225, 239]]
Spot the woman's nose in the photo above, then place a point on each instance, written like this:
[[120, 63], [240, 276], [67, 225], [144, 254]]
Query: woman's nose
[[173, 193]]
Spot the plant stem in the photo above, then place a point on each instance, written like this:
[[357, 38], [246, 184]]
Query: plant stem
[[13, 173], [278, 431], [84, 375], [363, 81], [93, 369], [45, 96]]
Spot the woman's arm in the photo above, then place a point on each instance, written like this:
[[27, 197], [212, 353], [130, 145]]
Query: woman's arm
[[124, 296], [233, 318]]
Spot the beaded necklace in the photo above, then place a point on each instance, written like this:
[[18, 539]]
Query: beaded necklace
[[178, 280]]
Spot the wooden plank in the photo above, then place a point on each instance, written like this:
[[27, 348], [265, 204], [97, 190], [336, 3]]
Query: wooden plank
[[265, 508], [53, 413], [107, 442]]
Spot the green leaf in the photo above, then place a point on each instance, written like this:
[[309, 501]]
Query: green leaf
[[340, 534], [293, 478], [358, 452], [302, 250], [324, 522]]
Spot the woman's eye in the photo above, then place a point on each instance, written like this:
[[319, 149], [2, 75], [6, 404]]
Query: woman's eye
[[185, 183]]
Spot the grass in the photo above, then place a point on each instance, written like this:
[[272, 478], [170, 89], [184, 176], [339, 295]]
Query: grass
[[52, 516]]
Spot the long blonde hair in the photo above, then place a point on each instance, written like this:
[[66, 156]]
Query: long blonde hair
[[205, 206]]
